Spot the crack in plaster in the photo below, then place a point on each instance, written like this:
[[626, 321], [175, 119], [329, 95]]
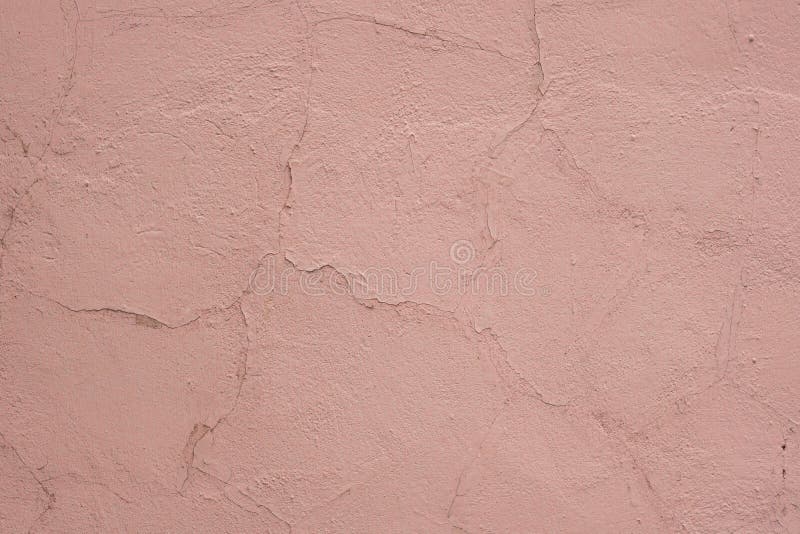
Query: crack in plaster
[[510, 377], [460, 41], [51, 496]]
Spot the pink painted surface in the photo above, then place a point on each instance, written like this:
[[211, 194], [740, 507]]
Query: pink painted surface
[[376, 266]]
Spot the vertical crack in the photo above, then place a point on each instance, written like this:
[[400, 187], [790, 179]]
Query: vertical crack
[[289, 177], [472, 461], [70, 82], [66, 88], [200, 430], [51, 496]]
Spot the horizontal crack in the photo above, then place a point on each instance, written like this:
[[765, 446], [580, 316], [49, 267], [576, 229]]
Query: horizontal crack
[[460, 41]]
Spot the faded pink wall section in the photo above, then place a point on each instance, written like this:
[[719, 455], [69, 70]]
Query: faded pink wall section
[[376, 266]]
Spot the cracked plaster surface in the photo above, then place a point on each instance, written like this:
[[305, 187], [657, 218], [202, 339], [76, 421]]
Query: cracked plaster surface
[[638, 158]]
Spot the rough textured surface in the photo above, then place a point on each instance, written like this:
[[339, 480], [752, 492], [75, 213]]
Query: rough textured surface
[[220, 223]]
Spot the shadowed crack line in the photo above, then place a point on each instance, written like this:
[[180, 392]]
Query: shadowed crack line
[[245, 496], [200, 430], [288, 165], [510, 377], [140, 318], [497, 148], [460, 41], [68, 85]]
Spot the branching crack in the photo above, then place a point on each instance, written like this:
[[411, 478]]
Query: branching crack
[[510, 377], [658, 501], [200, 430], [513, 379], [16, 135], [244, 495], [67, 87], [587, 180], [497, 148], [51, 497], [13, 211], [70, 82]]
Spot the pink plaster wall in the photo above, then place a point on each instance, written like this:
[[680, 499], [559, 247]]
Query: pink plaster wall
[[399, 266]]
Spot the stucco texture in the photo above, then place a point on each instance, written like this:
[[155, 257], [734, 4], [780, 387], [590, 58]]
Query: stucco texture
[[309, 266]]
